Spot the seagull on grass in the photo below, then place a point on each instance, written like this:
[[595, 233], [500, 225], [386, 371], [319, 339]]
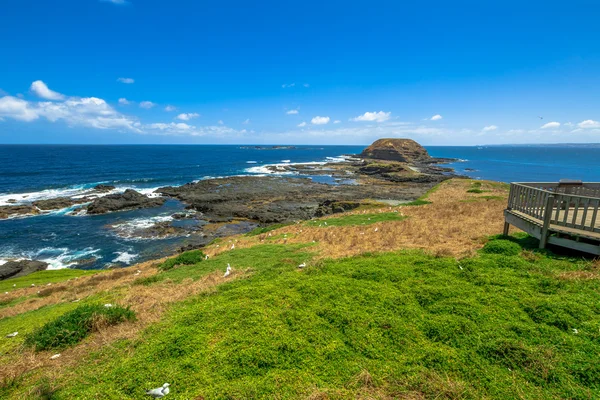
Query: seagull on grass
[[233, 246], [228, 272], [108, 305], [206, 257], [54, 357], [11, 335], [160, 392], [302, 265]]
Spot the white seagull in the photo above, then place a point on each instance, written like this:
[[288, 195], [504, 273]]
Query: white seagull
[[160, 392], [54, 357], [228, 271], [206, 257], [12, 334], [233, 246], [108, 305], [302, 265]]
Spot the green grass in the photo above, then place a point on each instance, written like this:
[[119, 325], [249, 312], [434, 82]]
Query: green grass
[[498, 326], [476, 190], [187, 258], [75, 325], [418, 202], [42, 278], [357, 219]]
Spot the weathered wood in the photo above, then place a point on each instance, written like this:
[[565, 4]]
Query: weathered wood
[[549, 206], [544, 208]]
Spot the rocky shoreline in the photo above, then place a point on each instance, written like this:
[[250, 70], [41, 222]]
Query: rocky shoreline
[[390, 171]]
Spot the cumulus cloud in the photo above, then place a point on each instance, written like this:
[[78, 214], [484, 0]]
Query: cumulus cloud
[[123, 101], [302, 124], [16, 108], [320, 120], [127, 81], [551, 125], [373, 116], [40, 89], [170, 108], [147, 104], [188, 116], [436, 117], [292, 112], [589, 123], [490, 128], [74, 111]]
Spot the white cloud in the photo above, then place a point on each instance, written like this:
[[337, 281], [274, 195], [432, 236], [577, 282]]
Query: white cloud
[[18, 109], [188, 116], [183, 129], [170, 108], [292, 112], [551, 125], [246, 122], [147, 104], [337, 121], [123, 101], [320, 120], [589, 123], [302, 124], [436, 117], [127, 81], [40, 89], [373, 116], [288, 85], [490, 128]]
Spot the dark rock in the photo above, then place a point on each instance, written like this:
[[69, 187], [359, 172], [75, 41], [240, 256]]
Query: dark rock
[[402, 150], [57, 203], [11, 201], [129, 200], [11, 211], [14, 269], [333, 207], [103, 188]]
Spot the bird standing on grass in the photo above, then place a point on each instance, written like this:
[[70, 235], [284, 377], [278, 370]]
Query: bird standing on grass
[[160, 392], [11, 335], [228, 271], [302, 265]]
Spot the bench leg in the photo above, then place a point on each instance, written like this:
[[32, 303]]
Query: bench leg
[[506, 227]]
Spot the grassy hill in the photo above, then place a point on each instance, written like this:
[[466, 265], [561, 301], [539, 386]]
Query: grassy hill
[[409, 302]]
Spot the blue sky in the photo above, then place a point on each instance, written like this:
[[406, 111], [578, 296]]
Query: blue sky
[[327, 72]]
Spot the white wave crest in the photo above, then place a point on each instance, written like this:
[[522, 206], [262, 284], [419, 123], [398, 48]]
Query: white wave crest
[[132, 228], [124, 257]]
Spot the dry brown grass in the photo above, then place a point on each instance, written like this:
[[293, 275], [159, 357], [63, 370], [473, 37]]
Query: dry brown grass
[[455, 224]]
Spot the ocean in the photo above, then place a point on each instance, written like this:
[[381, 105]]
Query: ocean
[[32, 172]]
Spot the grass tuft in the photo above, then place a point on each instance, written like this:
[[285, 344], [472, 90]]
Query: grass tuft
[[74, 326], [503, 247], [188, 258]]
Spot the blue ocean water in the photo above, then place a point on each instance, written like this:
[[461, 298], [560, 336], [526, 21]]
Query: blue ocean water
[[30, 172]]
